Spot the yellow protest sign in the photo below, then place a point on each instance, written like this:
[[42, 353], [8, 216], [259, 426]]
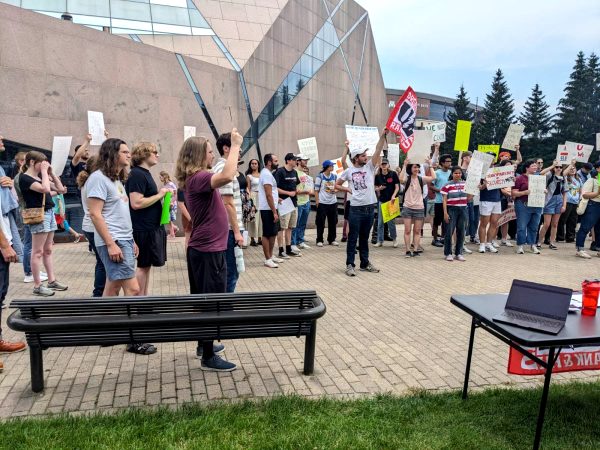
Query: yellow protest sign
[[495, 149], [463, 134], [390, 210]]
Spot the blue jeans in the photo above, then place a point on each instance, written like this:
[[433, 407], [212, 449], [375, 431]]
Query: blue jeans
[[232, 272], [589, 220], [298, 232], [458, 219], [528, 223], [473, 211], [380, 225], [26, 250], [14, 230], [361, 221], [99, 270]]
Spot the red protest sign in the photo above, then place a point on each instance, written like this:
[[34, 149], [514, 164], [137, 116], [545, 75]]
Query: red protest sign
[[402, 119], [569, 360]]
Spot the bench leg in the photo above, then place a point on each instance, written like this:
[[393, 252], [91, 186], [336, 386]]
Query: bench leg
[[309, 349], [37, 368]]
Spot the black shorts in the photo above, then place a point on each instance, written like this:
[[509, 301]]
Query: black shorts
[[207, 272], [346, 209], [269, 226], [438, 217], [152, 247]]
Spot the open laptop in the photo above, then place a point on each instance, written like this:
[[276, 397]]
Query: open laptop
[[536, 307]]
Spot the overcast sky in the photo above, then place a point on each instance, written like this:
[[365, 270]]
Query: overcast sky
[[435, 46]]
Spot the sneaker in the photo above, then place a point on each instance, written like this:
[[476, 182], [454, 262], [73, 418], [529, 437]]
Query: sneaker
[[594, 248], [43, 277], [277, 260], [408, 254], [552, 246], [481, 248], [395, 243], [218, 349], [334, 243], [283, 256], [303, 246], [437, 243], [293, 253], [295, 249], [491, 248], [520, 250], [43, 291], [379, 244], [319, 244], [495, 244], [56, 286], [271, 264], [344, 239], [417, 253], [583, 254], [12, 347], [420, 249], [460, 258], [217, 364], [535, 250], [370, 268], [467, 251], [350, 270], [450, 258], [506, 243]]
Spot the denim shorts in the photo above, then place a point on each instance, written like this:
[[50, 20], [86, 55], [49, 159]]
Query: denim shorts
[[554, 205], [118, 271], [48, 225], [411, 213]]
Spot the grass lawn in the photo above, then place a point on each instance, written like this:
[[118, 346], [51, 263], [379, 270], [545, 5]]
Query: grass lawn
[[497, 418]]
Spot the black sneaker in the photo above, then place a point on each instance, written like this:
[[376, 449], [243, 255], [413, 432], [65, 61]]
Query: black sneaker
[[283, 255], [553, 247], [437, 243], [370, 268], [217, 364], [293, 253], [408, 255], [218, 348]]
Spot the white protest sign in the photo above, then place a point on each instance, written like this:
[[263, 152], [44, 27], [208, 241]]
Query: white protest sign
[[500, 177], [96, 127], [421, 148], [562, 154], [393, 155], [362, 138], [513, 136], [188, 132], [581, 152], [439, 131], [598, 142], [537, 196], [486, 162], [338, 169], [308, 147], [61, 146], [286, 207], [474, 177]]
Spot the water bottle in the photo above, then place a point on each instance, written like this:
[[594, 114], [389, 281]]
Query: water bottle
[[239, 259]]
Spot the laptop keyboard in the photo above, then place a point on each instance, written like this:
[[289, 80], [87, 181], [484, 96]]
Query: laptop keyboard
[[515, 315]]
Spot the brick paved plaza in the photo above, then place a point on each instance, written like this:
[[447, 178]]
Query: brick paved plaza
[[387, 332]]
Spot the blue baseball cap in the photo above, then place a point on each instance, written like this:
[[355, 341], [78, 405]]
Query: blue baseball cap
[[327, 163]]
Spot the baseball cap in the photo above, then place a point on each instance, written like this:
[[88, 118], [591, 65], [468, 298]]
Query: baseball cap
[[327, 164], [385, 161], [302, 157], [597, 164], [588, 166], [356, 151], [290, 156]]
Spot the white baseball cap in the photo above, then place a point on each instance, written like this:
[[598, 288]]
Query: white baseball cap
[[302, 157], [356, 151]]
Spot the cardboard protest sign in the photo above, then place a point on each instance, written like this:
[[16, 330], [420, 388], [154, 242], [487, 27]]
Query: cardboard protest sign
[[581, 152], [562, 155], [362, 138], [96, 127], [338, 169], [507, 215], [61, 146], [537, 196], [474, 177], [568, 360], [421, 148], [513, 136], [402, 119], [598, 142], [308, 147], [188, 131], [500, 177], [439, 131], [463, 135], [390, 210], [495, 149], [486, 160], [393, 155]]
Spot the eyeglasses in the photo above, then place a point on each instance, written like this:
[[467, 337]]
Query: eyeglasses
[[540, 162], [384, 164]]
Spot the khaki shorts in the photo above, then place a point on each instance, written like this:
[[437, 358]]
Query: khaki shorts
[[289, 220]]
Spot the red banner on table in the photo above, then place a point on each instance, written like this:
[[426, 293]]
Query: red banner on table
[[569, 360], [402, 119]]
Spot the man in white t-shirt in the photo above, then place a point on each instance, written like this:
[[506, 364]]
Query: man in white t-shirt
[[268, 200], [361, 184]]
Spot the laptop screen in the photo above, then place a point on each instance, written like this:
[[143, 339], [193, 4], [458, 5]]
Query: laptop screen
[[539, 299]]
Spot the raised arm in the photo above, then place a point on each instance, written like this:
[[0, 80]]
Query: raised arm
[[81, 150], [376, 159], [229, 170], [519, 156], [345, 154]]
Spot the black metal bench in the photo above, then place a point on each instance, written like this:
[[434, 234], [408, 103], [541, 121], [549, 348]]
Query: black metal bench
[[123, 320]]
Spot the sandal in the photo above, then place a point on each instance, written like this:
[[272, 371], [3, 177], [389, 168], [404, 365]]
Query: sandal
[[141, 349]]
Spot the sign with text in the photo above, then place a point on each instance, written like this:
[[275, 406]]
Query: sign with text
[[402, 119], [390, 210], [338, 169], [96, 127], [500, 177], [188, 132], [61, 146], [421, 149], [362, 138], [508, 215], [495, 149], [463, 135], [581, 152], [537, 196], [513, 136], [562, 155], [308, 147], [569, 360], [439, 131], [486, 161], [474, 177], [394, 155]]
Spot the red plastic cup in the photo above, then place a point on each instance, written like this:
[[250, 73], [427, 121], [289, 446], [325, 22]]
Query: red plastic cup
[[591, 291]]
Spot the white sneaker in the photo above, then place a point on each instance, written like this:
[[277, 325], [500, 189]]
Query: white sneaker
[[319, 244], [495, 244], [583, 254], [491, 248], [271, 264], [467, 251], [379, 244], [450, 258], [303, 246], [507, 243], [295, 249], [395, 243], [43, 276], [335, 243], [277, 260], [481, 248], [535, 250], [28, 279], [520, 250]]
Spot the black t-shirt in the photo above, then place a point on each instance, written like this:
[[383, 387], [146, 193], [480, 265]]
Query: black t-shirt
[[76, 169], [243, 182], [32, 198], [389, 181], [145, 219], [287, 180]]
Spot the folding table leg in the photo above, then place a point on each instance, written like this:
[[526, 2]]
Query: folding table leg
[[540, 421], [469, 354]]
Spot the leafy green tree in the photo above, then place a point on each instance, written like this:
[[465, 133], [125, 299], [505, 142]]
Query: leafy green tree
[[498, 112]]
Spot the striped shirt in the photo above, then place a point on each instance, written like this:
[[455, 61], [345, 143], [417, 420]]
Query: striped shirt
[[455, 192], [232, 188]]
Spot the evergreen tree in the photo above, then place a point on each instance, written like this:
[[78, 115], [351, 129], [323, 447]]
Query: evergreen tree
[[462, 111], [574, 108], [497, 114], [594, 86], [536, 119]]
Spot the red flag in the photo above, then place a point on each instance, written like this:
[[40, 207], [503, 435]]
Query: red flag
[[402, 119]]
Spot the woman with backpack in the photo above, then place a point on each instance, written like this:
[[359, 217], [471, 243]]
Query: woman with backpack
[[413, 208], [568, 220], [556, 203]]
